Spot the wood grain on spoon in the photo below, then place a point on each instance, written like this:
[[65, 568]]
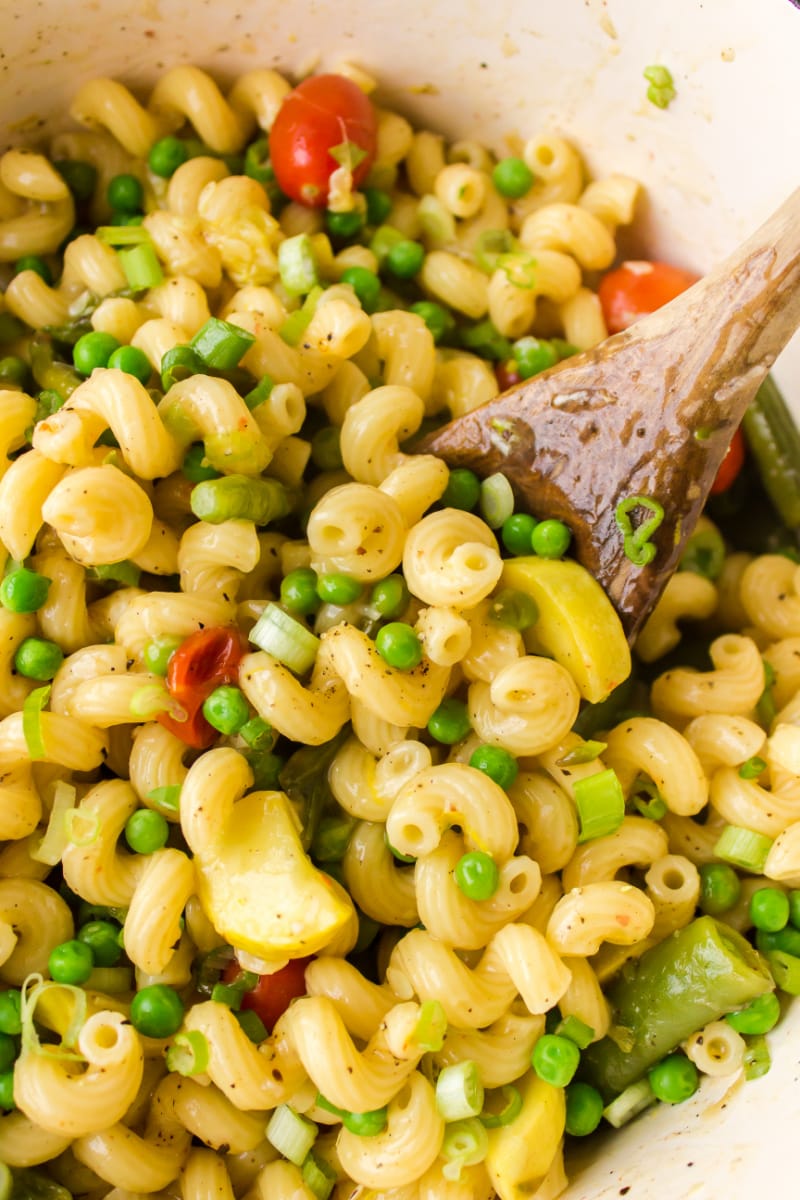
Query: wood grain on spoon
[[649, 412]]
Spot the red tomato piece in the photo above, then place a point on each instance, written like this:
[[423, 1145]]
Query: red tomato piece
[[506, 374], [730, 466], [203, 662], [273, 994], [638, 288], [324, 112]]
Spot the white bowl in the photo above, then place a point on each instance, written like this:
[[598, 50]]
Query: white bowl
[[714, 164]]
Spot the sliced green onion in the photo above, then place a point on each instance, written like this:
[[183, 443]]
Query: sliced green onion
[[141, 266], [436, 221], [32, 721], [365, 1124], [6, 1182], [491, 246], [752, 768], [179, 363], [297, 264], [83, 826], [628, 1104], [318, 1177], [508, 1113], [653, 809], [766, 708], [285, 639], [704, 553], [465, 1144], [348, 154], [757, 1060], [662, 86], [167, 797], [188, 1054], [290, 1134], [231, 994], [221, 345], [149, 700], [785, 970], [497, 500], [600, 802], [252, 1024], [743, 848], [56, 838], [576, 1030], [585, 753], [239, 498], [519, 269], [124, 572], [431, 1026], [459, 1091], [122, 235], [297, 322], [260, 393], [384, 237], [636, 542]]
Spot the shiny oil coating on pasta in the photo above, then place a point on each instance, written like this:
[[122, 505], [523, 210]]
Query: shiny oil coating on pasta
[[113, 1119]]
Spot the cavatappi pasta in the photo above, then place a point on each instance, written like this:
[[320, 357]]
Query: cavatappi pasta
[[321, 858]]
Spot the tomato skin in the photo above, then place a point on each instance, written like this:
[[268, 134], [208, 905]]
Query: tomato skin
[[201, 663], [638, 288], [322, 112], [506, 374], [273, 994], [730, 466]]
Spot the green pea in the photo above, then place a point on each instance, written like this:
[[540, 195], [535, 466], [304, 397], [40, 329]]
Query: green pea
[[195, 466], [794, 908], [450, 722], [390, 597], [226, 709], [80, 177], [338, 589], [674, 1079], [13, 369], [257, 162], [7, 1091], [533, 355], [71, 962], [405, 258], [365, 284], [158, 652], [326, 448], [379, 205], [10, 1019], [497, 763], [124, 218], [584, 1109], [365, 1124], [550, 539], [769, 909], [463, 490], [299, 591], [513, 178], [438, 319], [24, 591], [102, 938], [515, 609], [476, 875], [146, 831], [125, 194], [399, 646], [93, 350], [787, 940], [33, 262], [516, 533], [266, 767], [344, 224], [157, 1011], [555, 1059], [166, 155], [485, 339], [761, 1015], [720, 888], [38, 659], [132, 361], [256, 732], [8, 1051]]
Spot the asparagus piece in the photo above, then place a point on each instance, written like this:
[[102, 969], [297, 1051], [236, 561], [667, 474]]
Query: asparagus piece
[[696, 975]]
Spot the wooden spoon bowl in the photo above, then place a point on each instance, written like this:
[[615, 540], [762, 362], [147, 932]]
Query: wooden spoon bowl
[[648, 413]]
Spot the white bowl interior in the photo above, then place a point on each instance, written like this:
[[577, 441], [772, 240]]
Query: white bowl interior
[[714, 164]]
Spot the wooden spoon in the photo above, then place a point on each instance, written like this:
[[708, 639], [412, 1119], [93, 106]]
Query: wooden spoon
[[649, 412]]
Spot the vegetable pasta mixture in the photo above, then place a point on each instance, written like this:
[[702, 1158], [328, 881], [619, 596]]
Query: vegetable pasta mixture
[[344, 848]]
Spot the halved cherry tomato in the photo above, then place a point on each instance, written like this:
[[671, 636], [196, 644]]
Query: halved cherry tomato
[[730, 466], [201, 663], [323, 113], [273, 994], [638, 288]]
